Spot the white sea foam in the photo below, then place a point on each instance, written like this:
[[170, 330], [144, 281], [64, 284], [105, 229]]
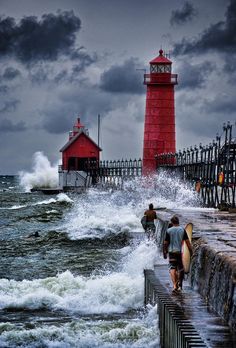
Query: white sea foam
[[98, 294], [60, 198], [164, 189], [96, 215], [63, 198], [43, 175], [52, 211], [194, 209], [121, 333], [142, 257], [99, 213], [106, 293], [16, 207]]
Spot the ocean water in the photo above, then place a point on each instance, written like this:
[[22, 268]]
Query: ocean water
[[80, 283]]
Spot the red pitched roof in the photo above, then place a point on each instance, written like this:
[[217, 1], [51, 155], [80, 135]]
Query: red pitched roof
[[75, 138], [160, 59]]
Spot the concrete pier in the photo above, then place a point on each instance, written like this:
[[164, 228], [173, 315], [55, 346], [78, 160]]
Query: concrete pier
[[185, 319], [204, 315]]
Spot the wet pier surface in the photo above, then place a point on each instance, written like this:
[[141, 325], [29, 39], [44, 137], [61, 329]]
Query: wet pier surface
[[212, 329], [208, 297], [211, 224]]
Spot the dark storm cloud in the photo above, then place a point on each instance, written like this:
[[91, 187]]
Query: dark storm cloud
[[59, 115], [39, 74], [87, 102], [221, 105], [123, 78], [61, 76], [194, 76], [8, 126], [185, 14], [230, 67], [85, 61], [11, 73], [81, 55], [9, 105], [57, 121], [4, 89], [42, 73], [47, 72], [35, 39], [219, 37]]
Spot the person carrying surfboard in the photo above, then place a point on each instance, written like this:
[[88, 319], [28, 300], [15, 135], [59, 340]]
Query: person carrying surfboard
[[175, 235], [149, 226]]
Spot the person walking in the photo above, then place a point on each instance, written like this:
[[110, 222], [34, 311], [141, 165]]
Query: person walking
[[151, 216], [175, 235]]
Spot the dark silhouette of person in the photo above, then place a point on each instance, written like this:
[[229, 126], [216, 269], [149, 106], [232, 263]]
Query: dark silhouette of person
[[151, 216]]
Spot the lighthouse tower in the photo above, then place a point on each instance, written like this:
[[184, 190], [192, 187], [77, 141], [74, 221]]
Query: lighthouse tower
[[159, 128]]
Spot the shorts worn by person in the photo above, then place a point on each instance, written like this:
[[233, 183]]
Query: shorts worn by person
[[151, 216], [175, 235]]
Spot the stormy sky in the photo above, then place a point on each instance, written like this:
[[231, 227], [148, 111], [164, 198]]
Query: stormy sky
[[61, 59]]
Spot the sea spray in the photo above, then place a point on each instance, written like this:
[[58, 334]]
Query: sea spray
[[163, 189], [43, 175], [107, 292], [99, 213]]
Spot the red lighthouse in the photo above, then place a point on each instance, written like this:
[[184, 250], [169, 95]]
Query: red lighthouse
[[159, 128]]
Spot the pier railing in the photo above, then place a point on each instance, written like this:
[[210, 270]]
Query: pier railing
[[212, 168], [113, 173]]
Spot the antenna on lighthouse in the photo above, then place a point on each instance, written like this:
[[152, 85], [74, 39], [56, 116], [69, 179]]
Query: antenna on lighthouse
[[167, 55], [141, 70]]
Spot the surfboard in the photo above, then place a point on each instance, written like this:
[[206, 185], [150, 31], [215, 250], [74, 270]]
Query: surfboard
[[186, 258], [160, 208], [144, 222]]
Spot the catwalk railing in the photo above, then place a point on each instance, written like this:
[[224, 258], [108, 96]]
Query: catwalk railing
[[211, 168], [113, 172]]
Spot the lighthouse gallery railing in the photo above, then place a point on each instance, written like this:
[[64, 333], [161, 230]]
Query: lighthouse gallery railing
[[163, 78]]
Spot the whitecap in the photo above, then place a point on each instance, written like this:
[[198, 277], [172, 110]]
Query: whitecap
[[98, 294], [60, 198], [121, 333]]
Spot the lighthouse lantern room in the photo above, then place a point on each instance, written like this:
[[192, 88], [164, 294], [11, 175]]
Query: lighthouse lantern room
[[159, 127]]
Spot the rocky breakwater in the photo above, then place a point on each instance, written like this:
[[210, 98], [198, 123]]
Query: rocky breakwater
[[213, 271]]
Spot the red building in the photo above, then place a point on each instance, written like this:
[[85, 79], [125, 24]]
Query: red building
[[159, 128], [79, 150], [79, 155]]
